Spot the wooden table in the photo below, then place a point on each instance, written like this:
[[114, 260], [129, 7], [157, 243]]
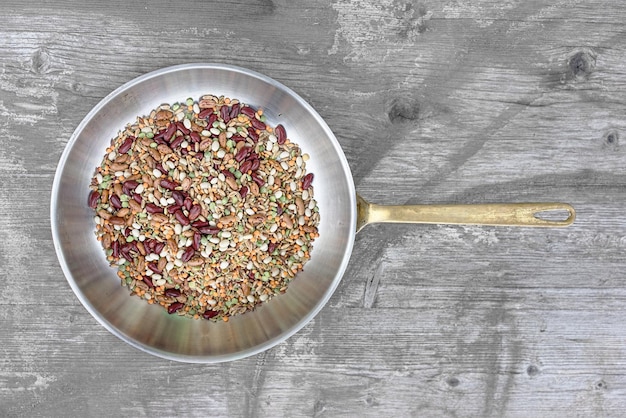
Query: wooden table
[[457, 101]]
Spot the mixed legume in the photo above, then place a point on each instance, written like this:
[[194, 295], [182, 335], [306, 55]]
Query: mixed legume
[[204, 208]]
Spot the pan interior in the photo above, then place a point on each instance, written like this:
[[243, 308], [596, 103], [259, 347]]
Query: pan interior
[[149, 327]]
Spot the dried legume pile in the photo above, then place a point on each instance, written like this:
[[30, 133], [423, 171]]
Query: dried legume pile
[[204, 208]]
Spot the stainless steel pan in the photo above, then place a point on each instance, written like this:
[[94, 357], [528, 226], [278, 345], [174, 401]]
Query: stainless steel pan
[[150, 328]]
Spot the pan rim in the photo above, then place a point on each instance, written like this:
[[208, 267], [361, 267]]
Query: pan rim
[[56, 230]]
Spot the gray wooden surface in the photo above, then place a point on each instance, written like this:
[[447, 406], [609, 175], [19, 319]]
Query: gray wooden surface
[[452, 101]]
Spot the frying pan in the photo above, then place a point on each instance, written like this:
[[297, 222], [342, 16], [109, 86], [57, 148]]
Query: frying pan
[[342, 213]]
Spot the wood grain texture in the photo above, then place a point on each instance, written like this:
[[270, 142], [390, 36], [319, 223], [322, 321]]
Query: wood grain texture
[[453, 101]]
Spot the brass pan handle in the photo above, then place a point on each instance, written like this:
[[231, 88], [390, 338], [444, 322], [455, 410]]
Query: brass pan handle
[[500, 214]]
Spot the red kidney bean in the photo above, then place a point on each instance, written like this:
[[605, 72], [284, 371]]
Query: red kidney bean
[[115, 201], [169, 184], [181, 127], [234, 111], [155, 268], [177, 141], [94, 196], [271, 247], [194, 212], [158, 247], [187, 203], [252, 134], [227, 174], [257, 124], [188, 254], [237, 138], [171, 209], [197, 237], [152, 208], [137, 198], [255, 164], [125, 251], [209, 230], [195, 137], [148, 281], [169, 132], [208, 314], [307, 180], [160, 167], [281, 135], [176, 306], [160, 141], [199, 224], [252, 156], [242, 154], [180, 217], [149, 244], [245, 166], [225, 113], [183, 151], [248, 111], [243, 191], [131, 184], [126, 145], [257, 179], [178, 197], [279, 210], [212, 118], [205, 113], [115, 246], [159, 135], [126, 232], [172, 293]]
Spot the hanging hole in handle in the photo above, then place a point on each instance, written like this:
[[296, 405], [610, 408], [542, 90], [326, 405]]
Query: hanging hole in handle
[[559, 216]]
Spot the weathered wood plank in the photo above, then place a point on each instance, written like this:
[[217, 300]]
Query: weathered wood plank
[[455, 101]]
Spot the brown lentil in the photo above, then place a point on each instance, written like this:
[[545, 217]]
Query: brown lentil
[[204, 208]]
